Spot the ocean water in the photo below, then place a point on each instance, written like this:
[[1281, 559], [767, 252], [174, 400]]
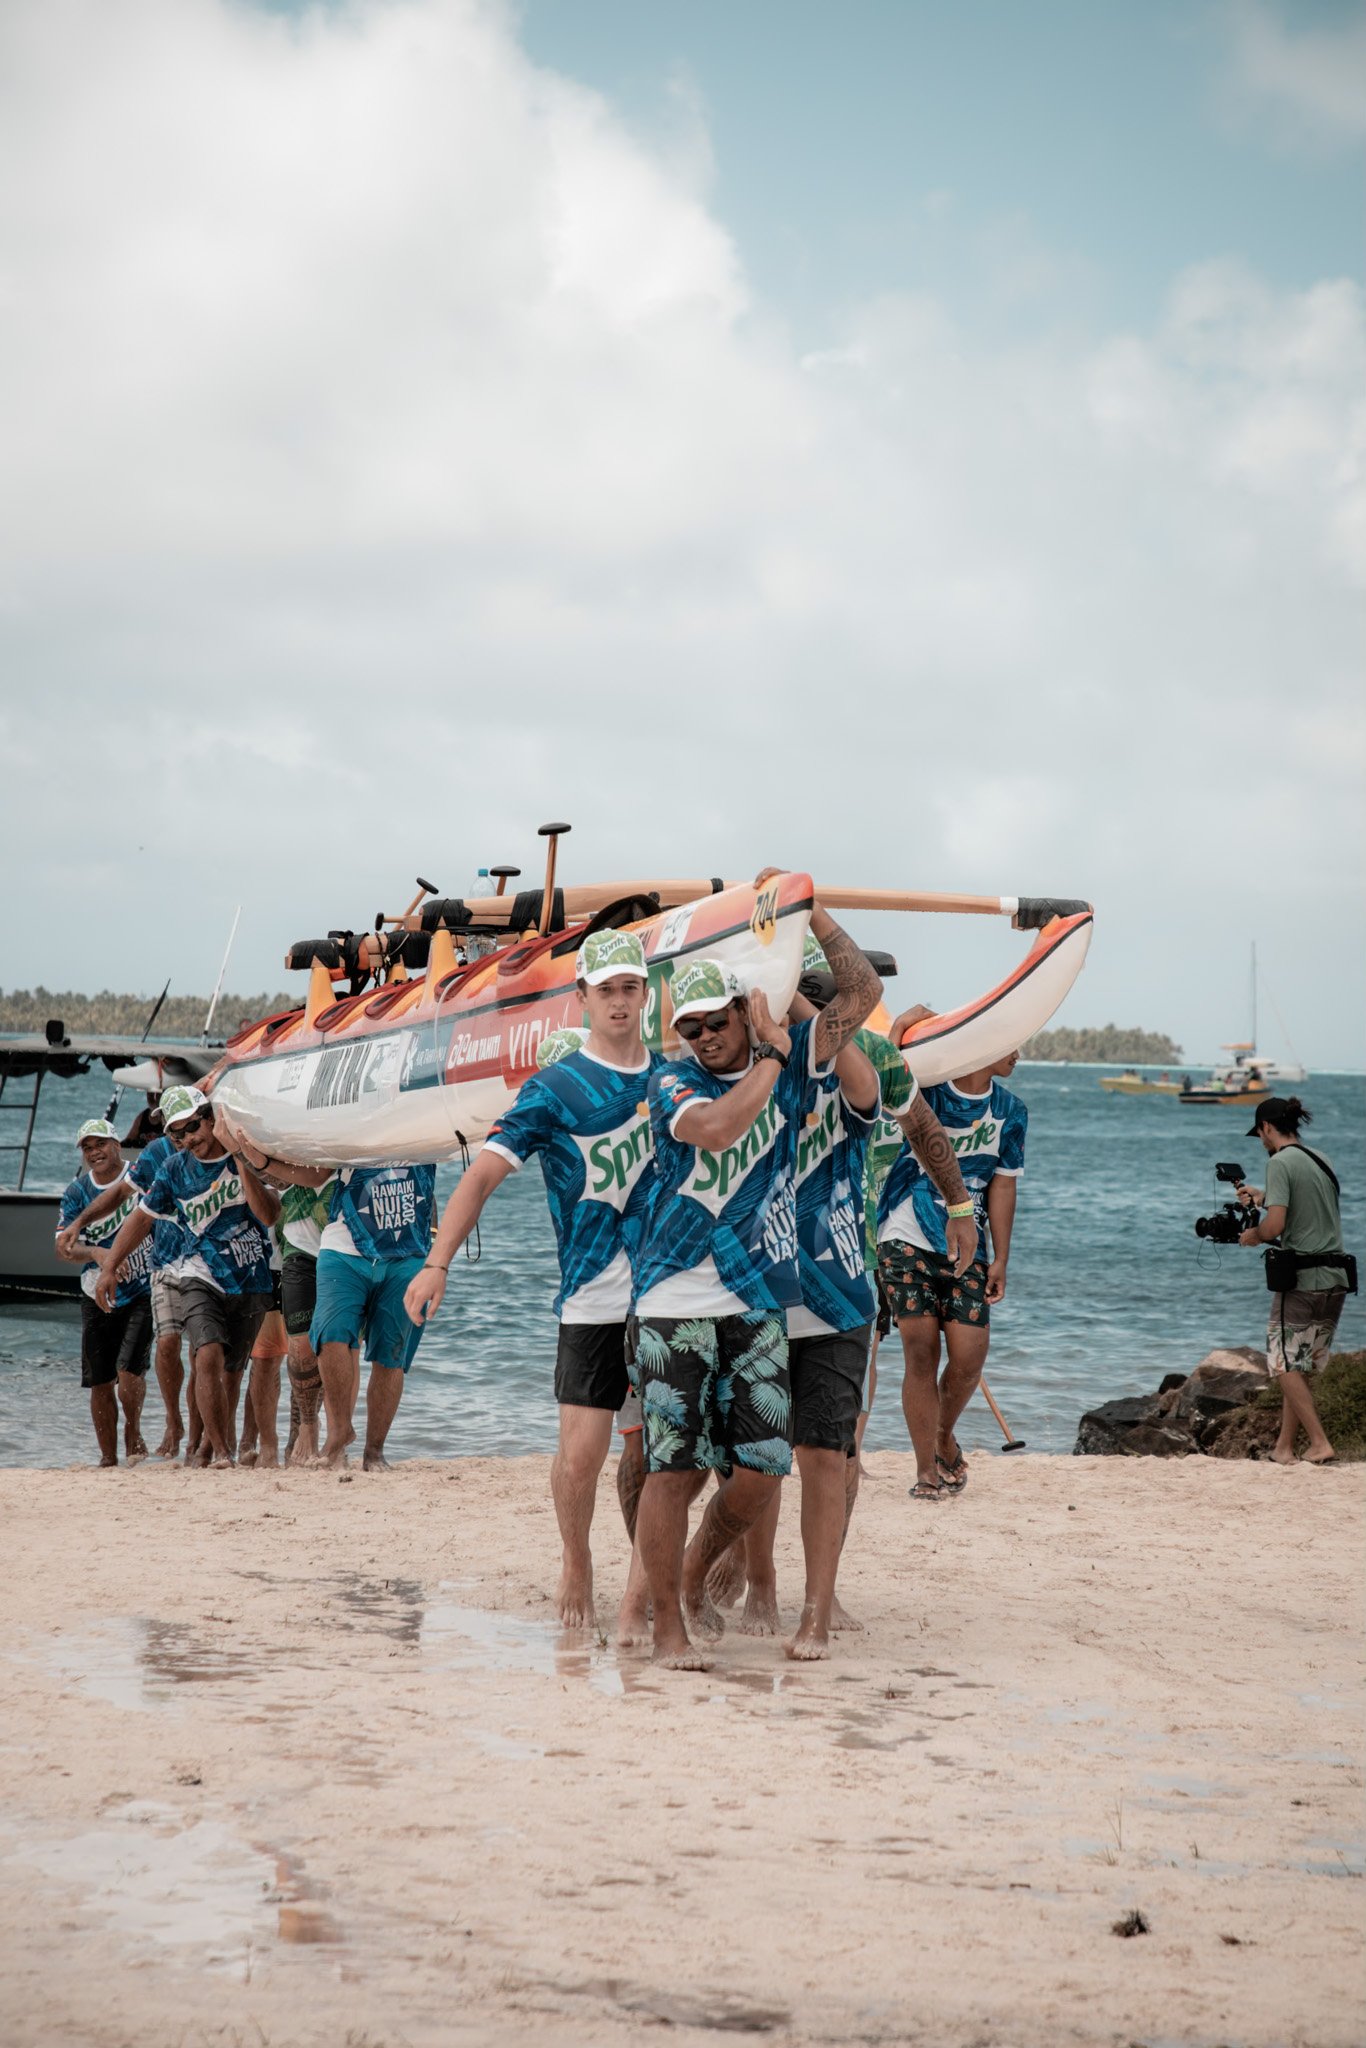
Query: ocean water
[[1108, 1289]]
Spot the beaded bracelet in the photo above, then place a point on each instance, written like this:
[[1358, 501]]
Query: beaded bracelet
[[957, 1209]]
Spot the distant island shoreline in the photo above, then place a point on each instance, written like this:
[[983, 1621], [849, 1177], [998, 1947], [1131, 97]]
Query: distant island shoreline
[[183, 1017]]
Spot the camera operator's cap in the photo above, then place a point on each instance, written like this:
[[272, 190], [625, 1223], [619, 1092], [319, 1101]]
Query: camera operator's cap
[[704, 985], [609, 952], [557, 1045], [178, 1103], [95, 1127], [1273, 1110]]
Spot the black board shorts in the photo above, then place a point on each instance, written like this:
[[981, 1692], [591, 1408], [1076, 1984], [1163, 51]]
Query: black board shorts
[[231, 1320], [120, 1341], [590, 1366], [298, 1293], [827, 1372]]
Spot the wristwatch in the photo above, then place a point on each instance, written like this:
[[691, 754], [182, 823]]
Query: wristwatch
[[764, 1051]]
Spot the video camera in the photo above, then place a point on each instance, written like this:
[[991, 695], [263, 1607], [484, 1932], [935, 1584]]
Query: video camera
[[1228, 1223]]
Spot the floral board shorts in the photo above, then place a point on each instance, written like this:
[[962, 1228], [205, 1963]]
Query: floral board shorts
[[1299, 1330], [714, 1392], [919, 1283]]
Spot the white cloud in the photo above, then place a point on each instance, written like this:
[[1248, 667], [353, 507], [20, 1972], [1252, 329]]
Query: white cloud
[[396, 457], [1308, 81]]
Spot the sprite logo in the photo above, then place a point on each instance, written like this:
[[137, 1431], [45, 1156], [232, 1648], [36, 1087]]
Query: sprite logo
[[983, 1137], [200, 1211], [819, 1137], [614, 1162], [608, 951], [717, 1174]]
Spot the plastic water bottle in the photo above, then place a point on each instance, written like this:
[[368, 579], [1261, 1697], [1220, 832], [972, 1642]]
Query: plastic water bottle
[[480, 887]]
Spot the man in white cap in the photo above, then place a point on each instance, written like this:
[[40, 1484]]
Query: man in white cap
[[115, 1347], [585, 1117], [719, 1270], [225, 1213]]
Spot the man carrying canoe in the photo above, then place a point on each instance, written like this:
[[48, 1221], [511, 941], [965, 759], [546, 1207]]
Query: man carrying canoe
[[585, 1117], [719, 1268], [224, 1213], [115, 1344]]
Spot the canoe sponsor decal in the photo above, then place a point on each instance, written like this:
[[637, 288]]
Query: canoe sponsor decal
[[673, 930], [763, 919], [290, 1074], [346, 1072]]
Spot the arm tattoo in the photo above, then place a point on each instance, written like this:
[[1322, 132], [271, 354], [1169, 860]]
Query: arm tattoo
[[933, 1150], [857, 989]]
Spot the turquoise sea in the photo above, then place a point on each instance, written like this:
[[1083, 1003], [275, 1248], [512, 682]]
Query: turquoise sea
[[1109, 1287]]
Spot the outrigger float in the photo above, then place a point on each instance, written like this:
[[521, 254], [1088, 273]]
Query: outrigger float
[[446, 1002]]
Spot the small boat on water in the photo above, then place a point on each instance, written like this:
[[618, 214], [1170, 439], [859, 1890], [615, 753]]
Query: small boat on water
[[1131, 1082], [30, 1270]]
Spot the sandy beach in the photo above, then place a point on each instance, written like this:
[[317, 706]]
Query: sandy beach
[[304, 1759]]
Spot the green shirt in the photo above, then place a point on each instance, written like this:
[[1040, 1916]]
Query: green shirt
[[1312, 1221], [898, 1091], [303, 1218]]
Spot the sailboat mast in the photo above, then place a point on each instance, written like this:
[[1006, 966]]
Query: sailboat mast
[[1254, 995]]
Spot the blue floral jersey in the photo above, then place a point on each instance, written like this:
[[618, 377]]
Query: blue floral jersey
[[589, 1124], [832, 1150], [222, 1242], [135, 1275], [168, 1242], [987, 1133], [384, 1211], [738, 1209]]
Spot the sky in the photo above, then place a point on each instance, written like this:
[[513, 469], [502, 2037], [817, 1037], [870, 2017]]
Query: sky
[[923, 446]]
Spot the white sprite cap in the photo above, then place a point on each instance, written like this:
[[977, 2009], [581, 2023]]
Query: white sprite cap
[[179, 1103], [95, 1127], [702, 985], [609, 952]]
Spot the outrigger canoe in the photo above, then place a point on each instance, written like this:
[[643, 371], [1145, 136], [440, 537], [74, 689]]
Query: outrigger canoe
[[420, 1069]]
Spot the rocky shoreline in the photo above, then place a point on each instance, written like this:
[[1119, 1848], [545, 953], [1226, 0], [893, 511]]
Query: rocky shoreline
[[1226, 1408]]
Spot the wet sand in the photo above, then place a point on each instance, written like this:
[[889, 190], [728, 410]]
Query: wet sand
[[305, 1759]]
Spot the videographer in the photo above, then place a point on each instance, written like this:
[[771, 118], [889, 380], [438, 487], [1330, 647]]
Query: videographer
[[1301, 1204]]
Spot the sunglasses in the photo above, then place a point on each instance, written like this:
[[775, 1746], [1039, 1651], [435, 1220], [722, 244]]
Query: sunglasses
[[692, 1028], [187, 1124]]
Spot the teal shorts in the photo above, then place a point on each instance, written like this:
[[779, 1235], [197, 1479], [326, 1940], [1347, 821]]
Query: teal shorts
[[362, 1300]]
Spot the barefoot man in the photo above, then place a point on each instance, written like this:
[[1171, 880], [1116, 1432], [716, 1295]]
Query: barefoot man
[[164, 1252], [940, 1272], [115, 1346], [224, 1213], [719, 1268], [584, 1116]]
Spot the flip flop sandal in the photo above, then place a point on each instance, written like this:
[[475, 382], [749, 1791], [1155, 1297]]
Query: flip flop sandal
[[953, 1475], [925, 1489]]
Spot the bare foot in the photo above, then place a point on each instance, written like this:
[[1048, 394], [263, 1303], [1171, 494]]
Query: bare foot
[[374, 1460], [842, 1622], [334, 1455], [136, 1451], [633, 1624], [574, 1599], [691, 1659], [726, 1579], [201, 1454], [106, 1463], [305, 1451], [812, 1640], [248, 1457], [169, 1447], [1328, 1457], [760, 1617], [701, 1617], [1283, 1458], [223, 1461], [269, 1461]]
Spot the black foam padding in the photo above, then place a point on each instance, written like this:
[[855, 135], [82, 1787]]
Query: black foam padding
[[305, 951], [526, 910], [1037, 911]]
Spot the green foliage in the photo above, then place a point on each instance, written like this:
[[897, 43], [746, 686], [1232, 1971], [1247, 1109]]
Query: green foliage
[[1125, 1044], [1340, 1396], [24, 1009]]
